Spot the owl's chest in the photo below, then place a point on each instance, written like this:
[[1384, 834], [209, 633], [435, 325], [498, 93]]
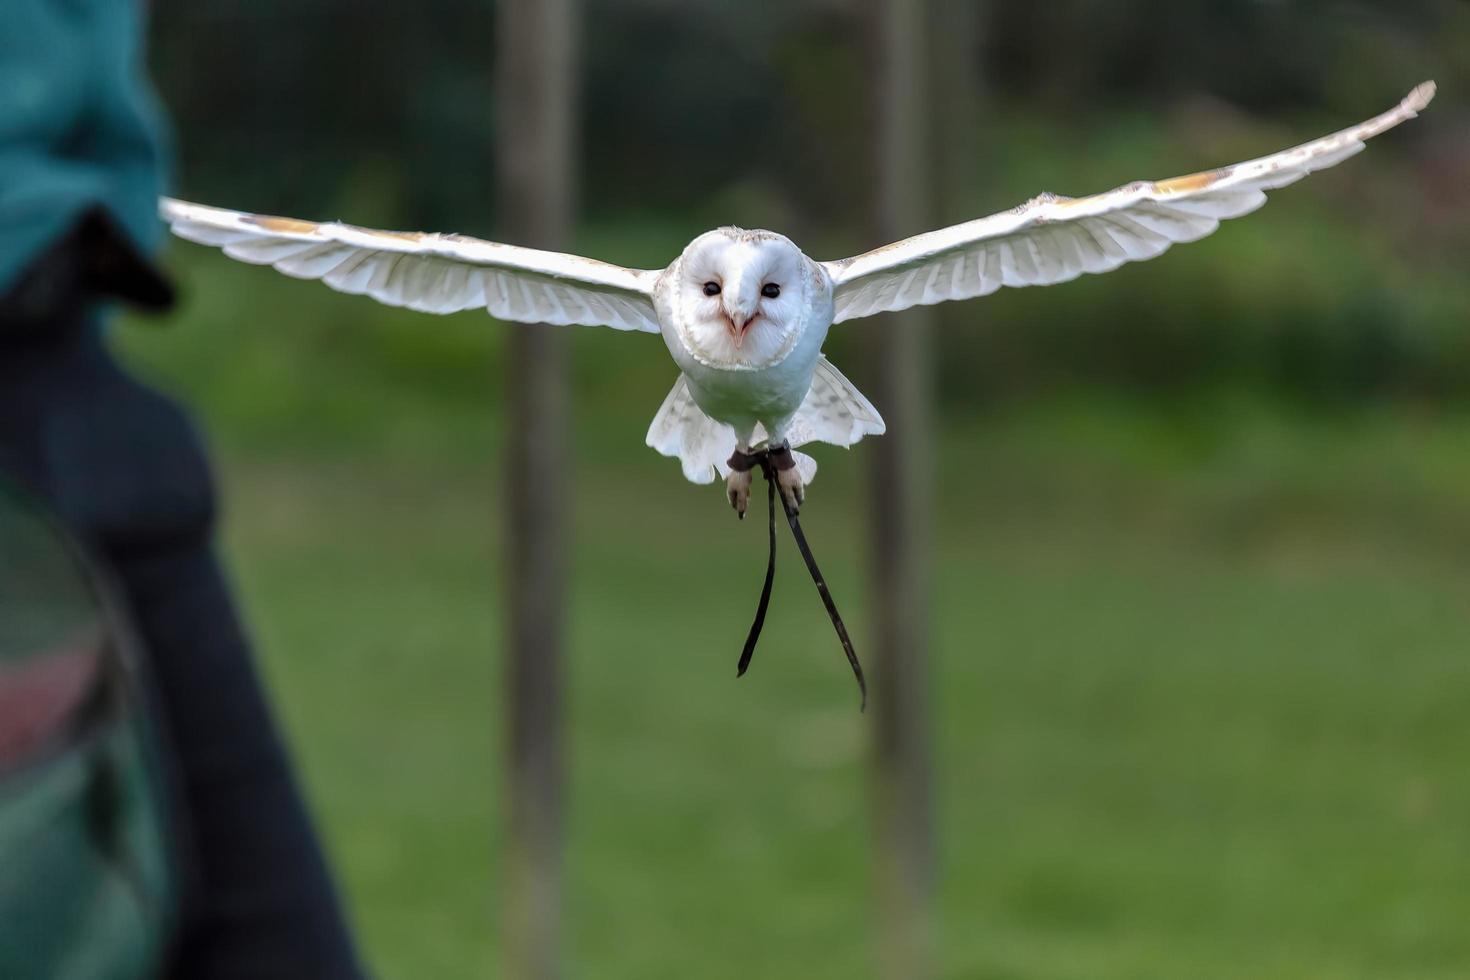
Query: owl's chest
[[742, 397]]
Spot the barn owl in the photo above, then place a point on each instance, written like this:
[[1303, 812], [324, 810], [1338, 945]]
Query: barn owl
[[745, 313]]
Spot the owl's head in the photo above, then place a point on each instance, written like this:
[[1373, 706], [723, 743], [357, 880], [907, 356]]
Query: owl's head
[[741, 296]]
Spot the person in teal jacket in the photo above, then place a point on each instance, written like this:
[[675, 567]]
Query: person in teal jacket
[[82, 161], [79, 130]]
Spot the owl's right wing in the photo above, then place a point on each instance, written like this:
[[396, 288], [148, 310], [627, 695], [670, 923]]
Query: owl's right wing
[[430, 273], [1052, 239]]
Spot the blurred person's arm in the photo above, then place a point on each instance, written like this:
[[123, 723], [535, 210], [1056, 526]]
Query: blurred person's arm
[[81, 162]]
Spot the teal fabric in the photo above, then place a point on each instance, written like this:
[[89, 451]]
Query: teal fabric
[[78, 125], [68, 910]]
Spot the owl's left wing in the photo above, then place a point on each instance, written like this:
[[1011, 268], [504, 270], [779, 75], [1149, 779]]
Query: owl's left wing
[[430, 273], [1052, 239]]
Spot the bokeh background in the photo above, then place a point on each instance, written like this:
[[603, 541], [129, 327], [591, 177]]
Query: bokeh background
[[1200, 590]]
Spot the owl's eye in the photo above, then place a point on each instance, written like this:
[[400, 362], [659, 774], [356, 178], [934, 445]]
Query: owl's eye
[[712, 288], [770, 290]]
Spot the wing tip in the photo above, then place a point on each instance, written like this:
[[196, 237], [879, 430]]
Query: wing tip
[[1420, 97]]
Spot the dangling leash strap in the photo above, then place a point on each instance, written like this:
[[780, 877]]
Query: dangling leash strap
[[770, 461], [760, 609]]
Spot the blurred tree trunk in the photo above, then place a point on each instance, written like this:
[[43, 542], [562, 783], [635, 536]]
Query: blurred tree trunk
[[534, 85], [901, 464], [960, 154]]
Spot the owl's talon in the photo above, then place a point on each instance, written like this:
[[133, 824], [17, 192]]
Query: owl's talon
[[737, 488], [793, 491]]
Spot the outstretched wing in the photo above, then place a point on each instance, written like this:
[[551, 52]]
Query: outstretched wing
[[1053, 239], [431, 273]]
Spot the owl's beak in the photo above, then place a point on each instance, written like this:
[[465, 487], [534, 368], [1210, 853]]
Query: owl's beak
[[738, 321]]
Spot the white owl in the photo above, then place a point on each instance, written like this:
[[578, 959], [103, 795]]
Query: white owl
[[744, 313]]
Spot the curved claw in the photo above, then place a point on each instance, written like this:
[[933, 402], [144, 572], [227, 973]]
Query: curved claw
[[737, 488], [793, 491]]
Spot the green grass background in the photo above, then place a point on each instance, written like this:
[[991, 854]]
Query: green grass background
[[1200, 665]]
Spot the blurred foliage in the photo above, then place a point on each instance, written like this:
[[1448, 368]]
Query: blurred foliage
[[1348, 286]]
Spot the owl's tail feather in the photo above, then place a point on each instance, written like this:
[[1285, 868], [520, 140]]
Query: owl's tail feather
[[833, 412]]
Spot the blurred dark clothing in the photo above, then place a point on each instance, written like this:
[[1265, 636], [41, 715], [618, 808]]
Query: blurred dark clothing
[[93, 261], [79, 127], [81, 168], [124, 468]]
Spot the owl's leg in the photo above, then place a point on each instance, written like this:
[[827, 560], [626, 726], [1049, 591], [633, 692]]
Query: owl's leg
[[737, 484], [788, 478]]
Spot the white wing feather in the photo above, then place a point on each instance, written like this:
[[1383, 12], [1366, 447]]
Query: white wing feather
[[1052, 239], [430, 273]]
